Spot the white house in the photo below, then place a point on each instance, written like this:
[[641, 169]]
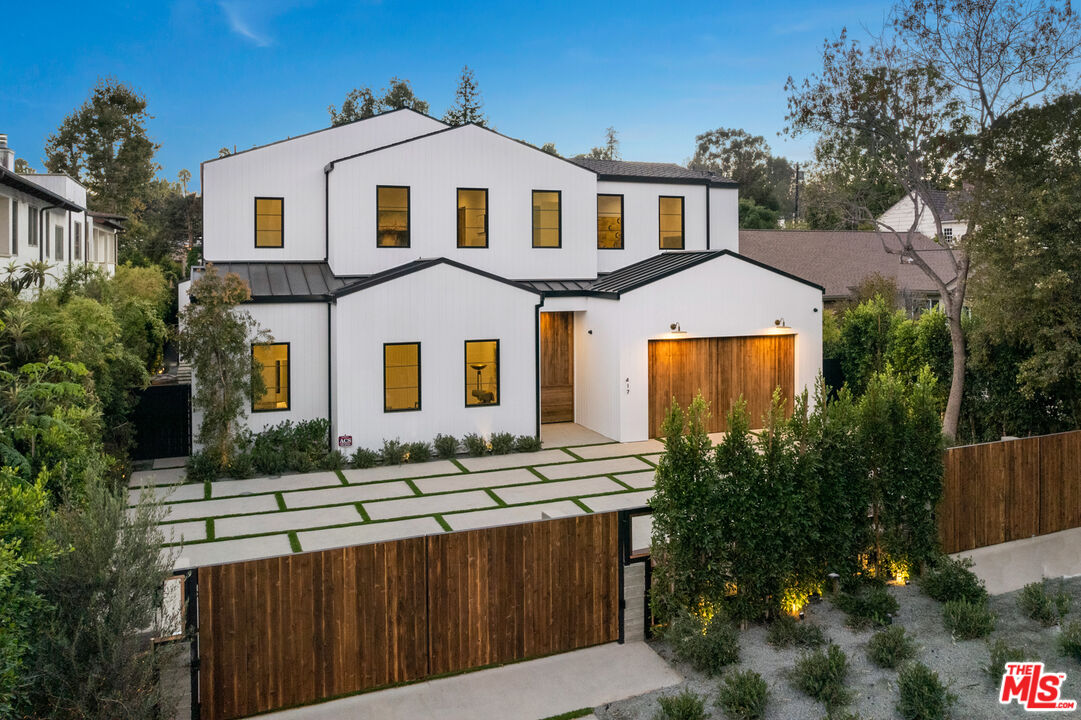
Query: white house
[[419, 278], [899, 217], [43, 218]]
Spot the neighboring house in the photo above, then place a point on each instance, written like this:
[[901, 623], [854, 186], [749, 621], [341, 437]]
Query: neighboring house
[[840, 260], [43, 217], [900, 215], [419, 279]]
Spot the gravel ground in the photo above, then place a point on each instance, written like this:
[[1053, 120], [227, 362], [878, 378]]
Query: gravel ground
[[958, 663]]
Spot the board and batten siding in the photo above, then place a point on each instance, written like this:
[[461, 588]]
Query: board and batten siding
[[293, 170], [440, 307], [641, 220], [434, 168]]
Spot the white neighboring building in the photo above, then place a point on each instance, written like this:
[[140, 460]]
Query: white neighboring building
[[419, 279], [900, 215], [43, 217]]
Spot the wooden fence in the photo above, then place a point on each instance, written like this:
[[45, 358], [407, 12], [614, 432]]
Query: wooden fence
[[1008, 490], [290, 630]]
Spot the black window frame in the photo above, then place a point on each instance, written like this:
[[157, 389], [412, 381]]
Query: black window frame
[[420, 394], [682, 221], [408, 216], [533, 228], [255, 223], [458, 229], [622, 220], [288, 377], [498, 373]]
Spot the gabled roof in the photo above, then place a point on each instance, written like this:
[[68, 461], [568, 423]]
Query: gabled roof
[[20, 183], [632, 171], [669, 263], [422, 264]]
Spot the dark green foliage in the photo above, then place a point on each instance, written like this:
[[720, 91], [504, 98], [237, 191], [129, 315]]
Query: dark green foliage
[[890, 647], [333, 460], [821, 674], [867, 605], [393, 452], [685, 706], [1001, 653], [475, 445], [867, 338], [502, 443], [709, 645], [365, 458], [742, 695], [446, 446], [241, 465], [756, 217], [966, 620], [1069, 641], [786, 631], [527, 443], [418, 452], [203, 467], [361, 103], [948, 579], [922, 696], [300, 446], [298, 461], [1038, 604]]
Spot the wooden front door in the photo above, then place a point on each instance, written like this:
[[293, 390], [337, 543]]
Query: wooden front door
[[557, 366], [723, 369]]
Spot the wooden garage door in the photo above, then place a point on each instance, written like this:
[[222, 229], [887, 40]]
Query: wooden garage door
[[723, 369]]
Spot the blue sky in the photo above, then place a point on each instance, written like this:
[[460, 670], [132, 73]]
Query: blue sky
[[248, 72]]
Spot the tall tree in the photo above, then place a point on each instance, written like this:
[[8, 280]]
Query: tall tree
[[361, 103], [467, 102], [844, 189], [610, 151], [104, 145], [734, 153]]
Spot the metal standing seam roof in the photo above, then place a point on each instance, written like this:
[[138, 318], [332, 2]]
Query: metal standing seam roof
[[286, 280]]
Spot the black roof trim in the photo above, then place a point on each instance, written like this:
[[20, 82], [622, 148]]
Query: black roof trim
[[18, 182], [710, 182], [423, 264]]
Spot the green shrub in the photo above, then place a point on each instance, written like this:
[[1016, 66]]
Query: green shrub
[[867, 606], [365, 458], [241, 465], [1069, 641], [418, 452], [949, 579], [393, 452], [922, 694], [786, 631], [298, 446], [333, 460], [269, 459], [446, 446], [743, 695], [1000, 654], [527, 443], [966, 620], [685, 706], [502, 443], [890, 647], [821, 674], [475, 445], [299, 461], [708, 645], [202, 467], [1038, 604]]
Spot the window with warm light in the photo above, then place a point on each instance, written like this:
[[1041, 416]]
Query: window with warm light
[[392, 216], [273, 359], [546, 219], [401, 377], [269, 222], [472, 217], [481, 372], [610, 222], [671, 223]]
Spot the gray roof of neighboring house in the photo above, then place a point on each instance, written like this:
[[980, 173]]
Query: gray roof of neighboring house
[[840, 260], [20, 183], [650, 171]]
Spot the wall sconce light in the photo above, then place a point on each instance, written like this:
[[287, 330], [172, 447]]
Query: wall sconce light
[[674, 327], [780, 323]]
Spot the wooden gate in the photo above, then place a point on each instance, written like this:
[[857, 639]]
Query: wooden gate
[[722, 369]]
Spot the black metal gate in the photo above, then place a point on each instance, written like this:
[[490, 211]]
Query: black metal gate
[[162, 421]]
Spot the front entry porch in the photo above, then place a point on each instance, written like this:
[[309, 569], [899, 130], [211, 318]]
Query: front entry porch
[[569, 434]]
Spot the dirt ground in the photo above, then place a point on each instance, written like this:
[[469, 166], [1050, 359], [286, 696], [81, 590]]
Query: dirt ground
[[959, 663]]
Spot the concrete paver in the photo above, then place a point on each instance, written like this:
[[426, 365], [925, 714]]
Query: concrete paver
[[569, 434], [346, 493], [643, 479], [400, 472], [184, 531], [215, 508], [613, 450], [608, 503], [172, 462], [367, 533], [510, 515], [498, 462], [427, 505], [474, 481], [287, 520], [166, 476], [594, 467], [168, 493], [214, 553], [1012, 565], [552, 490], [301, 481]]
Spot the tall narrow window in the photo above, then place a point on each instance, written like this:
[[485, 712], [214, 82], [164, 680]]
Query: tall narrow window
[[392, 216], [473, 217], [610, 222], [269, 222], [274, 359], [31, 226], [481, 372], [401, 377], [671, 223], [546, 219], [14, 226], [6, 206], [58, 240], [77, 242]]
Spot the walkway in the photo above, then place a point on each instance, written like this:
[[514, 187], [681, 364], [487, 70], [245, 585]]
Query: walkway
[[1011, 565]]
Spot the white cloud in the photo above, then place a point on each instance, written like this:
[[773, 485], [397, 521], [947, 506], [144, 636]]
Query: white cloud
[[234, 13]]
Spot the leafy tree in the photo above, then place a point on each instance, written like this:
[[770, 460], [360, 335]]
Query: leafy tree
[[867, 336], [361, 103], [844, 188], [467, 102], [763, 178], [756, 217], [550, 148], [23, 167], [104, 145], [216, 337]]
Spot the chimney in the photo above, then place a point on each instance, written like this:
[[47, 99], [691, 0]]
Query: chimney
[[7, 155]]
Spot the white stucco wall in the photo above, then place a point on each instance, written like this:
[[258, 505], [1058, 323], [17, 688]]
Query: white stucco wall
[[440, 307], [641, 220]]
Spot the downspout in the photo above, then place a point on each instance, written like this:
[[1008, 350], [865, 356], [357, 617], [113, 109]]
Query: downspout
[[68, 258], [330, 385], [326, 211], [86, 238], [537, 359]]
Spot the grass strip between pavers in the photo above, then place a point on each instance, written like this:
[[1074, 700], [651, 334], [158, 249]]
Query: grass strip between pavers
[[207, 490], [617, 481], [579, 503], [363, 512], [281, 501], [294, 542], [498, 500], [461, 467], [443, 523], [572, 715], [210, 529], [341, 477]]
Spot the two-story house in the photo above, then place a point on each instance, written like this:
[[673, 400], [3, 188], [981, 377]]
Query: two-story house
[[419, 278], [43, 218], [910, 210]]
